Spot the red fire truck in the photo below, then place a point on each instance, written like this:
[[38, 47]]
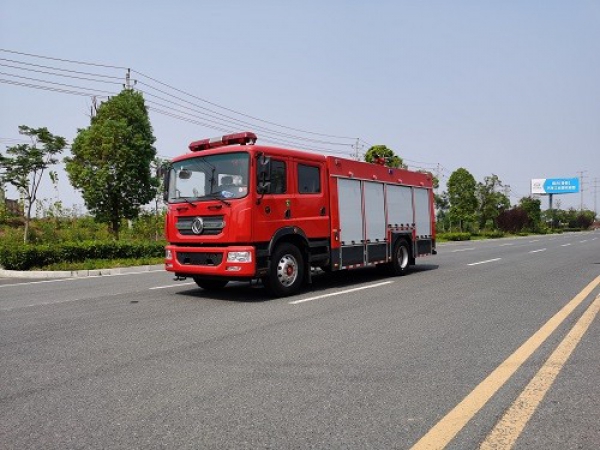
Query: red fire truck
[[242, 211]]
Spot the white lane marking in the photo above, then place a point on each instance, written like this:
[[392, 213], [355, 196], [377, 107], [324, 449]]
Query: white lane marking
[[535, 240], [484, 262], [537, 251], [565, 245], [506, 245], [80, 278], [170, 286], [38, 282], [347, 291], [58, 302], [581, 242], [463, 250]]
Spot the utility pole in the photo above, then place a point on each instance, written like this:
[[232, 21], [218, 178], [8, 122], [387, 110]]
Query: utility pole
[[93, 108], [356, 150], [128, 80], [595, 197], [581, 188]]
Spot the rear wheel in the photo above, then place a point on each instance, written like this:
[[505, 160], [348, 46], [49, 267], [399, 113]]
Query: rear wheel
[[286, 273], [400, 258], [210, 285]]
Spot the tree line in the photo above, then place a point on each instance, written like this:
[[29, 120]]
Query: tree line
[[471, 206], [110, 164]]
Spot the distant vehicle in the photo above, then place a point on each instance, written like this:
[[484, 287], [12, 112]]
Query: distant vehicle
[[242, 211]]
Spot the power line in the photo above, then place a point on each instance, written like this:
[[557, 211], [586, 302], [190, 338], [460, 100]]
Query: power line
[[49, 88], [217, 119], [240, 113], [188, 111], [61, 59], [55, 74], [55, 83], [60, 69], [229, 130], [227, 120]]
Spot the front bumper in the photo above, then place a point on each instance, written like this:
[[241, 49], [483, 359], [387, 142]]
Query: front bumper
[[209, 261]]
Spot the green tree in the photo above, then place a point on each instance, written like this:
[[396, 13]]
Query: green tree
[[387, 154], [112, 158], [24, 165], [533, 208], [491, 200], [442, 206], [461, 193]]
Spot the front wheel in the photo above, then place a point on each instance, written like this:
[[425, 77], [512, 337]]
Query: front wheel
[[210, 285], [400, 258], [286, 273]]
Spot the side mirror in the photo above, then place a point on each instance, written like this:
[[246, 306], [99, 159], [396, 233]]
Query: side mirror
[[264, 168], [185, 174], [263, 172], [165, 172], [263, 187]]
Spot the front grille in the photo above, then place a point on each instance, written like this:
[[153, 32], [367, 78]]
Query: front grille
[[213, 225], [199, 259]]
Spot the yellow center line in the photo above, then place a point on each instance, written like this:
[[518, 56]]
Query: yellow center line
[[446, 429], [509, 428]]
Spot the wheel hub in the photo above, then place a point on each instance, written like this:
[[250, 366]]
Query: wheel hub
[[287, 270]]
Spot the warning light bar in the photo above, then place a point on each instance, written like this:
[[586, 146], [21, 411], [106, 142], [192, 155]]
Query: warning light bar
[[229, 139]]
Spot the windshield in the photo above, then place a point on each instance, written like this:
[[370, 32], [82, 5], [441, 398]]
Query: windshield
[[216, 176]]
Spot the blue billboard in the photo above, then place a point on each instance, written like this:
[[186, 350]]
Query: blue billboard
[[555, 186]]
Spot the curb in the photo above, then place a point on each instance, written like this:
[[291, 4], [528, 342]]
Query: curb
[[77, 273]]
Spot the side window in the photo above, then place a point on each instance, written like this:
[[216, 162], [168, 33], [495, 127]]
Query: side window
[[278, 177], [309, 179]]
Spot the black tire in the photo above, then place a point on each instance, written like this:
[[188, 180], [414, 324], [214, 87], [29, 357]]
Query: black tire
[[210, 285], [400, 258], [286, 272]]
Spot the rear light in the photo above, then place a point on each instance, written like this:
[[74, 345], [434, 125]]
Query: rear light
[[229, 139]]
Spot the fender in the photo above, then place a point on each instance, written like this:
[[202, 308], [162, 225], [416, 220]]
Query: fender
[[408, 235], [286, 231]]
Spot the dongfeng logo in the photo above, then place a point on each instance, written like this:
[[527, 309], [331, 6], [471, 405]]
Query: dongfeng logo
[[197, 225]]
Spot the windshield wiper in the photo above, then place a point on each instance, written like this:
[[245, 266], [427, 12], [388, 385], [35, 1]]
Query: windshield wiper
[[216, 197], [187, 200]]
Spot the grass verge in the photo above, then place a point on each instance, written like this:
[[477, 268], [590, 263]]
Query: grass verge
[[93, 264]]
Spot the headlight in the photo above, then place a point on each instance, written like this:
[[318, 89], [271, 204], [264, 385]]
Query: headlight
[[168, 254], [239, 257]]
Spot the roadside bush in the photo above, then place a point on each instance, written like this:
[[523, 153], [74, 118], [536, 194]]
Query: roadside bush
[[24, 257], [513, 220], [493, 234], [454, 236]]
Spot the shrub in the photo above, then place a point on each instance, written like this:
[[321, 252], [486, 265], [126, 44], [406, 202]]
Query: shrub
[[454, 236], [494, 234], [513, 220], [24, 257]]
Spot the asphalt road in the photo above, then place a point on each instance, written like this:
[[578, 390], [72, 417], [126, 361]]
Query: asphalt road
[[356, 361]]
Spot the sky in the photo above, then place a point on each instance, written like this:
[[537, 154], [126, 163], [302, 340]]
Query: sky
[[510, 88]]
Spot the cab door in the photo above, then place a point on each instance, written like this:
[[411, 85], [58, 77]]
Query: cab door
[[309, 203], [273, 207]]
